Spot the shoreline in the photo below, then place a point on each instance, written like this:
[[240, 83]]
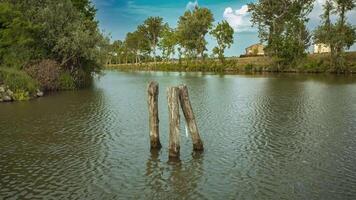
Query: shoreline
[[312, 64], [227, 71]]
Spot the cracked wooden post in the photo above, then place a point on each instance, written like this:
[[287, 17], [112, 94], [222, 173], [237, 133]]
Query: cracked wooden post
[[190, 118], [173, 111], [153, 91]]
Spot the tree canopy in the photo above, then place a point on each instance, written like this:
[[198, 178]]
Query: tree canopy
[[65, 31], [282, 25], [224, 35]]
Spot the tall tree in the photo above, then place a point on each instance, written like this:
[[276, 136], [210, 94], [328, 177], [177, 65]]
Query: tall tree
[[152, 29], [340, 35], [168, 42], [51, 29], [282, 25], [192, 29], [86, 7], [18, 36], [137, 44], [224, 35]]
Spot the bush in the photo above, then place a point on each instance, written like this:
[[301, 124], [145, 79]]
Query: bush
[[46, 72], [81, 78], [66, 81], [18, 80], [249, 67], [21, 95]]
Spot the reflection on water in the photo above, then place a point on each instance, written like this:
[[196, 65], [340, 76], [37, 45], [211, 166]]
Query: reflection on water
[[265, 136]]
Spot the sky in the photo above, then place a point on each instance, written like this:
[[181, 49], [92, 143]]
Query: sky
[[118, 17]]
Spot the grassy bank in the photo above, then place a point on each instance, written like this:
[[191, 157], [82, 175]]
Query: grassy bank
[[314, 63], [37, 78], [16, 85]]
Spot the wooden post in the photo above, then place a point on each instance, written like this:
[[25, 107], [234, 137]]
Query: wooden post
[[153, 115], [173, 111], [189, 117]]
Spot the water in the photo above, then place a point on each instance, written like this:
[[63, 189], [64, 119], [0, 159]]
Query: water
[[266, 137]]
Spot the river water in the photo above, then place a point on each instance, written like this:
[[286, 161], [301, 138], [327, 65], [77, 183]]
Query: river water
[[265, 136]]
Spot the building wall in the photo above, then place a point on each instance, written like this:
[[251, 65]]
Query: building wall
[[321, 48], [255, 50]]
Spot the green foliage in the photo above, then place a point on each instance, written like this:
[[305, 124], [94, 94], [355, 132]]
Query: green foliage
[[340, 36], [192, 29], [73, 40], [152, 29], [21, 95], [64, 31], [85, 7], [282, 24], [249, 68], [168, 42], [224, 35], [17, 80], [66, 81], [17, 36], [137, 44]]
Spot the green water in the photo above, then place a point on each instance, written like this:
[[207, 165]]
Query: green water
[[266, 137]]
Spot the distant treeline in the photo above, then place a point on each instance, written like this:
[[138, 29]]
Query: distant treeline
[[187, 40], [281, 27]]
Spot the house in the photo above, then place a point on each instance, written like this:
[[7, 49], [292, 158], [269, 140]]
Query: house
[[255, 50], [321, 48]]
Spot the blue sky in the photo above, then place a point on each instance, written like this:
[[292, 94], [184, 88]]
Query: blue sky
[[118, 17]]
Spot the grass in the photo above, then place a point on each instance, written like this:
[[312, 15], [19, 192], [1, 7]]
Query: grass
[[17, 80], [313, 63], [20, 83]]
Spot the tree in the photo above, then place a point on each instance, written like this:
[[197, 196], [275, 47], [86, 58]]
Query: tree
[[64, 31], [203, 21], [118, 48], [282, 25], [137, 44], [224, 35], [85, 7], [340, 35], [192, 29], [168, 42], [152, 29], [18, 37], [71, 39]]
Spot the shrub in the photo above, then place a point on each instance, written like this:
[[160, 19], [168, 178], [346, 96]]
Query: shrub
[[248, 68], [81, 78], [21, 95], [46, 72], [18, 80], [66, 81]]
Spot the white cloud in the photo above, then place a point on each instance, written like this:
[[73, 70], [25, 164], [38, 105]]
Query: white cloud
[[191, 5], [239, 19]]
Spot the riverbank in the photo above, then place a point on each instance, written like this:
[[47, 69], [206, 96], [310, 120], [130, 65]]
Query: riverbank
[[314, 63], [38, 78]]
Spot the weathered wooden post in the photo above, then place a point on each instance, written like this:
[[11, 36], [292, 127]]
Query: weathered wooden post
[[153, 115], [190, 118], [173, 111]]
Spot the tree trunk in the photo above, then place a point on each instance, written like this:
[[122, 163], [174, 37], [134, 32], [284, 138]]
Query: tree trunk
[[190, 118], [153, 91], [173, 109], [154, 55]]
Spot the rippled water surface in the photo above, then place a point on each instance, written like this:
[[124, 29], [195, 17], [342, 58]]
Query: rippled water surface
[[266, 137]]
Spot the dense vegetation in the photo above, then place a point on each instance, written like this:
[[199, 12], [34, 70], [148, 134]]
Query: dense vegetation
[[52, 44], [339, 35], [282, 27]]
